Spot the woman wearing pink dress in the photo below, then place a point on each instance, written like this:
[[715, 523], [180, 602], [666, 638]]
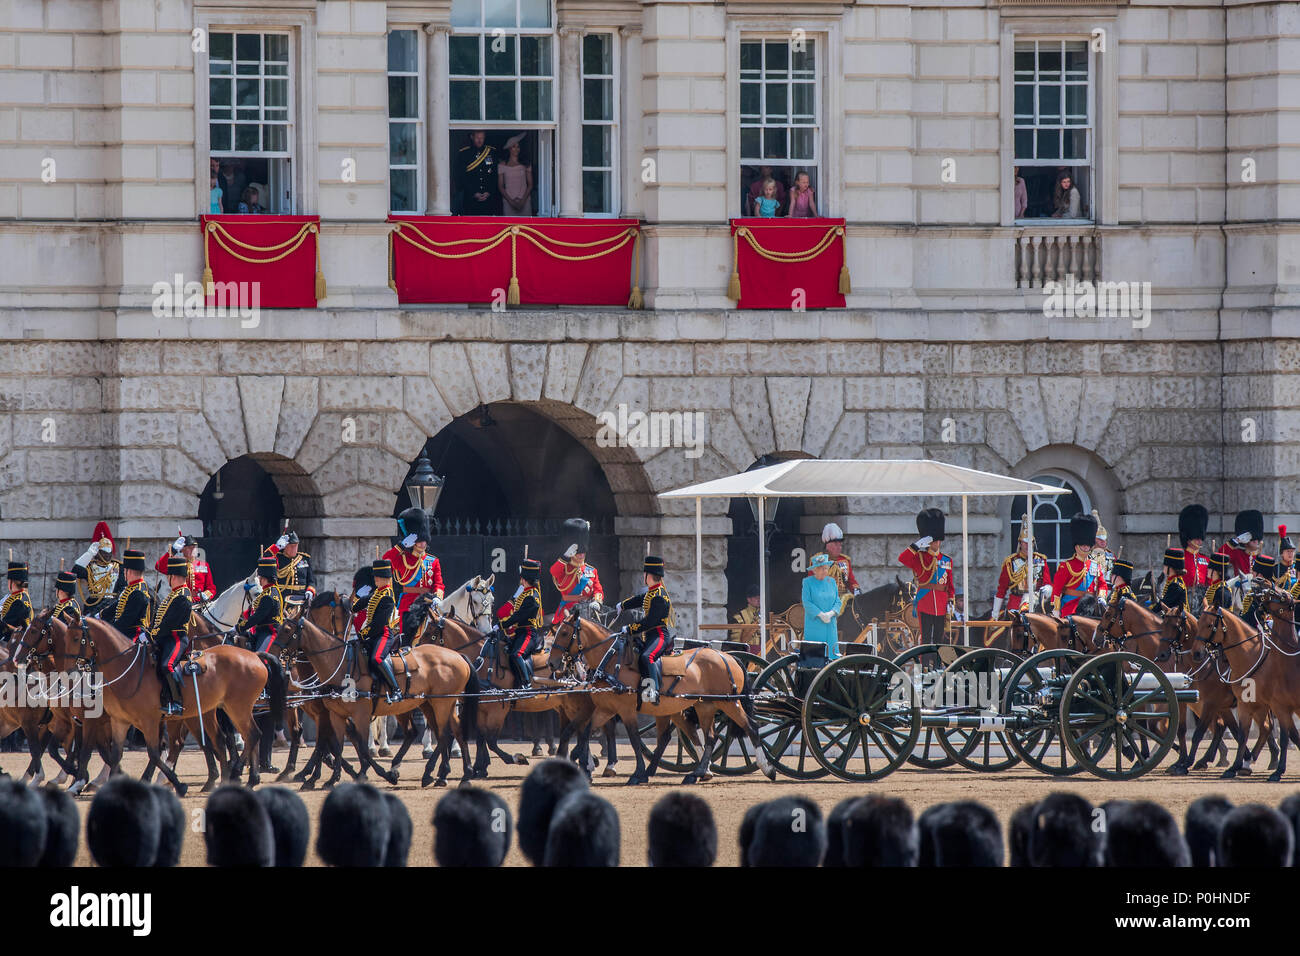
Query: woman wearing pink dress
[[515, 180]]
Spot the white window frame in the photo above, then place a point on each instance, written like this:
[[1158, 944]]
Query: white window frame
[[615, 64], [1059, 478], [828, 31], [420, 123], [1090, 126], [789, 125], [485, 33], [300, 26], [1103, 88]]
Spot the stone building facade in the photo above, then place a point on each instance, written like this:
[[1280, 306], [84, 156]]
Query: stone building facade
[[110, 411]]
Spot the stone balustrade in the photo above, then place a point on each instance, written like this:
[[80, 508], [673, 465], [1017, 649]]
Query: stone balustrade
[[1049, 254]]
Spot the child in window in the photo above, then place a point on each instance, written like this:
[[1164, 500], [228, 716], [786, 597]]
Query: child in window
[[214, 196], [767, 204], [249, 204], [803, 204]]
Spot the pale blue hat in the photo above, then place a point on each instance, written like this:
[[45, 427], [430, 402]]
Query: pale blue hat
[[821, 561]]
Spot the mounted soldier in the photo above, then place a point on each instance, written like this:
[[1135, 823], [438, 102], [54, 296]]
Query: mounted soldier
[[577, 581], [1076, 577], [130, 612], [1288, 575], [841, 563], [66, 608], [267, 613], [376, 631], [653, 633], [198, 578], [1014, 578], [415, 571], [1192, 524], [1174, 596], [100, 575], [293, 572], [169, 634], [1247, 538], [1121, 582], [1217, 594], [521, 619], [16, 613], [1102, 558], [1263, 568], [933, 571]]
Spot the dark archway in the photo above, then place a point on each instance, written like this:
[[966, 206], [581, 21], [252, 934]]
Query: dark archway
[[244, 507], [512, 475], [783, 520]]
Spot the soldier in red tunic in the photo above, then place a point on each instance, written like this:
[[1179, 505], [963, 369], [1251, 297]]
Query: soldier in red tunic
[[415, 571], [1246, 541], [1192, 523], [933, 571], [1014, 578], [575, 579], [1076, 577], [199, 581]]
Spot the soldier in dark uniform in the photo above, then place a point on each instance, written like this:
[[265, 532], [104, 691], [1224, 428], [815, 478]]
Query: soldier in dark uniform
[[1263, 568], [376, 631], [524, 619], [66, 608], [1174, 596], [294, 575], [1218, 594], [651, 632], [1121, 581], [129, 613], [169, 634], [16, 612], [259, 630], [476, 168]]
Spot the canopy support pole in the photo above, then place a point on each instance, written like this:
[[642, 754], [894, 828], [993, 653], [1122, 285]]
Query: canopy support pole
[[1031, 575], [762, 580], [965, 574], [699, 566]]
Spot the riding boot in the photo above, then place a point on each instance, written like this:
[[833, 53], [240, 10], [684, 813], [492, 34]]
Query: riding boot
[[266, 724], [178, 696], [385, 667], [526, 664]]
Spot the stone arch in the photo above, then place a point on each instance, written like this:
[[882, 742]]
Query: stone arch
[[1084, 470]]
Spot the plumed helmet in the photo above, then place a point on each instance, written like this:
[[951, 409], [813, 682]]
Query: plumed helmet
[[1284, 543], [1101, 529], [929, 523], [1083, 531], [1252, 521], [1192, 523], [832, 532], [101, 532]]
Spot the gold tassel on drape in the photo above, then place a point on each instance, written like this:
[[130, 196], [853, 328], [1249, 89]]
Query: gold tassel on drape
[[845, 286], [320, 276], [635, 301], [512, 294], [392, 280], [733, 287]]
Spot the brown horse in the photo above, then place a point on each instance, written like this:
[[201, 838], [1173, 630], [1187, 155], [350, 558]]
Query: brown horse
[[40, 731], [1032, 632], [432, 679], [710, 681], [1240, 653], [229, 678]]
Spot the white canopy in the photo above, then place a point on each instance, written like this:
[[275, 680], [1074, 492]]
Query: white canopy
[[816, 478], [813, 478]]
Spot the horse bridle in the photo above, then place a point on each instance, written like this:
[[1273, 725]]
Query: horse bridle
[[1116, 613], [1216, 649], [568, 657]]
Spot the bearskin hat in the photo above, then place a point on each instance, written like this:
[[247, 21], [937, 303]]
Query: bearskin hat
[[929, 523], [777, 842], [1256, 836], [399, 831], [63, 827], [577, 535], [24, 828], [584, 832], [171, 827], [122, 824], [880, 831], [413, 521], [745, 835], [1022, 821], [962, 833], [834, 857], [1201, 826], [1061, 832], [546, 784], [237, 829], [471, 827], [681, 832], [1290, 808], [1142, 833], [290, 825], [353, 829], [1083, 531], [1193, 521], [1252, 521]]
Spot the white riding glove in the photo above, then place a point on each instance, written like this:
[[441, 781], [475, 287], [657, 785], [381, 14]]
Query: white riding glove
[[595, 604], [570, 551], [1243, 538], [997, 607], [435, 603], [409, 540], [364, 591], [89, 556], [922, 543], [282, 541], [1045, 593], [179, 544]]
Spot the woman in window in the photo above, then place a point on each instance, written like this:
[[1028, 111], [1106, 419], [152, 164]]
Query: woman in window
[[803, 204], [515, 180], [1066, 203], [1022, 193]]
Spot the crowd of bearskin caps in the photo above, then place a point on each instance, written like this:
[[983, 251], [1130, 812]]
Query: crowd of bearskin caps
[[561, 821]]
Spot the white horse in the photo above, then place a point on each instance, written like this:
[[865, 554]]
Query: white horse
[[223, 611], [471, 603]]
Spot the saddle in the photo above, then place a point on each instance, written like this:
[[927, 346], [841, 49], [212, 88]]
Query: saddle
[[671, 664]]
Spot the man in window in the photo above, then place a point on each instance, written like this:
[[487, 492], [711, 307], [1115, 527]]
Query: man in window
[[476, 167]]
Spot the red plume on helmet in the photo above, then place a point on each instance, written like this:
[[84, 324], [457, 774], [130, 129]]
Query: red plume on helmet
[[101, 532]]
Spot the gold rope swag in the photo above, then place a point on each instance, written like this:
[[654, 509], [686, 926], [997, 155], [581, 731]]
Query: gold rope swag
[[822, 244], [223, 237], [408, 232]]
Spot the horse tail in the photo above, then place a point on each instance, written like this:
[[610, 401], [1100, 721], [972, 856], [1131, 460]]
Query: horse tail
[[275, 687], [469, 705]]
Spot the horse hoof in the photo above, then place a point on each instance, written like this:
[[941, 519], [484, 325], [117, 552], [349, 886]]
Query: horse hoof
[[690, 778], [1228, 774], [442, 782], [384, 752], [635, 781], [1275, 777], [480, 774], [706, 776], [537, 750], [206, 788], [1177, 770], [182, 789], [521, 760], [429, 752], [609, 772]]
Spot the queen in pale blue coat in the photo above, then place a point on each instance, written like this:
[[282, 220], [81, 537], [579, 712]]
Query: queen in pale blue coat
[[821, 606]]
